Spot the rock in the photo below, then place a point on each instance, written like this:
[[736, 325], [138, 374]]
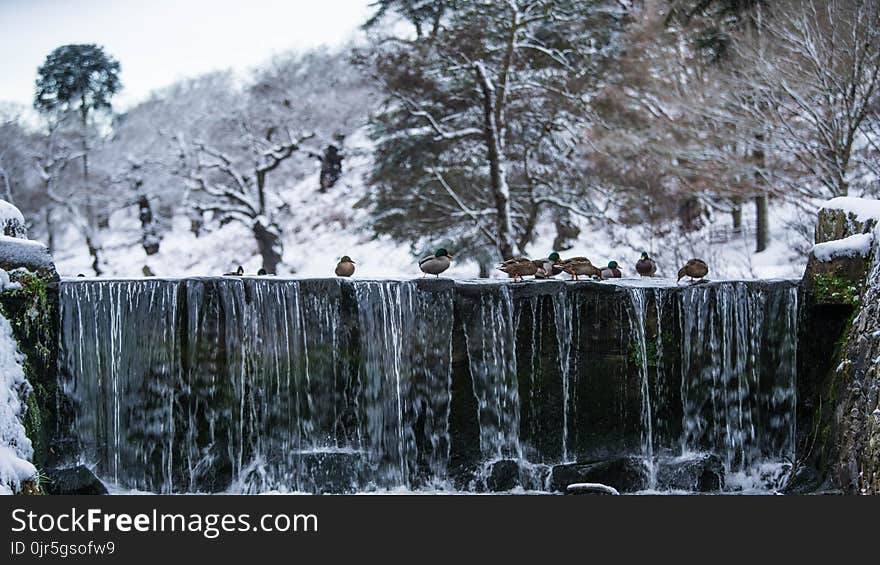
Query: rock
[[591, 489], [625, 474], [804, 480], [838, 223], [698, 473], [503, 475], [73, 480], [18, 253], [12, 222]]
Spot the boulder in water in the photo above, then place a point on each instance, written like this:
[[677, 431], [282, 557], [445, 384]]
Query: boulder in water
[[624, 474], [74, 480], [503, 475], [697, 473]]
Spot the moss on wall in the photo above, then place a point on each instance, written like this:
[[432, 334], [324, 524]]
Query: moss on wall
[[833, 288]]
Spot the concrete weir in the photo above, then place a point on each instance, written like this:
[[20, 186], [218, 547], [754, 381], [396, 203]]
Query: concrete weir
[[330, 385]]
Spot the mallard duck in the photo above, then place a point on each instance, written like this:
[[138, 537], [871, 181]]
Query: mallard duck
[[345, 267], [577, 266], [519, 267], [695, 269], [646, 266], [612, 271], [548, 268], [239, 272], [436, 263]]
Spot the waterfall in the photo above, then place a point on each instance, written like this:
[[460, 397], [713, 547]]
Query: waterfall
[[177, 385], [738, 372], [562, 310], [491, 348], [269, 384], [405, 344], [638, 313]]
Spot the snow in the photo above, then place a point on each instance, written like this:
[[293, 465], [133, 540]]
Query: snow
[[9, 213], [24, 252], [863, 209], [321, 227], [858, 245], [596, 488], [15, 447]]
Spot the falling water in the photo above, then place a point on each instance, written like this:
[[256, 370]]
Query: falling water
[[562, 310], [491, 347], [405, 341], [638, 313], [738, 373], [253, 385]]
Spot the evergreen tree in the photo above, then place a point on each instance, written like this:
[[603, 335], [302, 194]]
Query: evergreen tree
[[477, 137]]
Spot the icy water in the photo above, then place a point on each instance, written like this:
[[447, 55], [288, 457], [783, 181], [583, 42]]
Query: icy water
[[277, 385]]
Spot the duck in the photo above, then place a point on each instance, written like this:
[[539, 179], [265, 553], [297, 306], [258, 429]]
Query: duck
[[345, 267], [436, 263], [518, 267], [239, 272], [612, 271], [695, 269], [262, 273], [646, 266], [548, 268], [577, 266]]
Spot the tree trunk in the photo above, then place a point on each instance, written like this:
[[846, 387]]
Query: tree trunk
[[270, 247], [50, 230], [736, 214], [497, 173], [762, 221], [95, 253], [149, 237], [762, 228]]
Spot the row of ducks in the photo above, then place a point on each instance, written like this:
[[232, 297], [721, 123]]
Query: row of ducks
[[520, 267], [576, 267]]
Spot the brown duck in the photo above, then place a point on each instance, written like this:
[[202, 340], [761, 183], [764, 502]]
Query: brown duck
[[695, 269], [646, 266]]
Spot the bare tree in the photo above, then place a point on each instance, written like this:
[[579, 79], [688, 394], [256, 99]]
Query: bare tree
[[236, 189], [813, 70]]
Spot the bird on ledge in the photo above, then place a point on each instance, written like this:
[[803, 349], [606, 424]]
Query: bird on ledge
[[549, 267], [436, 263], [695, 269], [646, 266], [577, 266], [519, 267], [612, 271], [345, 267], [239, 272]]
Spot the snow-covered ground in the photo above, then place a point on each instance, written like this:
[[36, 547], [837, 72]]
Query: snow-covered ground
[[320, 228], [15, 447]]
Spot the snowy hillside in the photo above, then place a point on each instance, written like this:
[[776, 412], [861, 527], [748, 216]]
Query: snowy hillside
[[321, 227]]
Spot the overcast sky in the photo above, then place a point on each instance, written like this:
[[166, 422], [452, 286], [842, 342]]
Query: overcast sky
[[160, 41]]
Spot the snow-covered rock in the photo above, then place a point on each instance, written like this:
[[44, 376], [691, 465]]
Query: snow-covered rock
[[863, 209], [858, 245], [845, 216], [15, 447], [32, 255], [12, 221]]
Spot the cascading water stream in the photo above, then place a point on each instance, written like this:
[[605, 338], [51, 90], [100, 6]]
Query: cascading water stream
[[491, 347], [562, 310], [262, 384], [738, 373], [638, 313]]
